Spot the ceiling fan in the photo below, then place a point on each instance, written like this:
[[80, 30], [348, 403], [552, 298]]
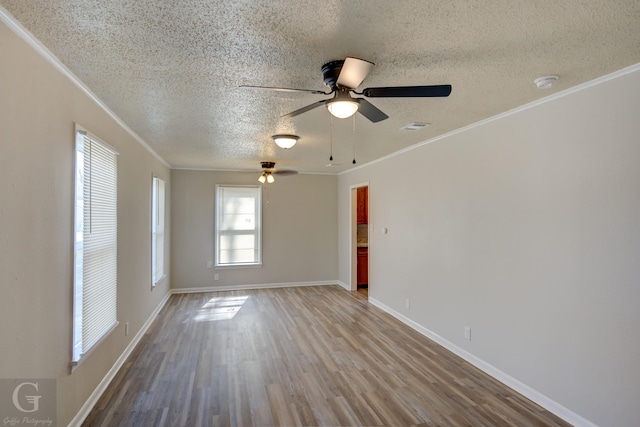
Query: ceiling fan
[[268, 170], [342, 77]]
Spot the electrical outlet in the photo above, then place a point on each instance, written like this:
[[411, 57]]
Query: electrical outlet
[[209, 264], [467, 332], [407, 304], [215, 276]]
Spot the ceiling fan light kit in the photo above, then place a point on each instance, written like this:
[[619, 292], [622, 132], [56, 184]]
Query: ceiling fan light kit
[[342, 109], [285, 141], [266, 177]]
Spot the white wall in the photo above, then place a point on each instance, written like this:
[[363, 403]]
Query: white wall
[[38, 109], [299, 230], [526, 229]]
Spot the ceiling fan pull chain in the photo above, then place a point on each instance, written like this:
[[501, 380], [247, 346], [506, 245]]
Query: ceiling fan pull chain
[[331, 137], [353, 138]]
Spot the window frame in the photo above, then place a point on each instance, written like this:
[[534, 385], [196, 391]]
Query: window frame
[[106, 243], [257, 231], [158, 219]]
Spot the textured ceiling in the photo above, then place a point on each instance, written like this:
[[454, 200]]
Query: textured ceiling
[[171, 70]]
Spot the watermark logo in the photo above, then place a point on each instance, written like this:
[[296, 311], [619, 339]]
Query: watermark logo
[[33, 400], [27, 402]]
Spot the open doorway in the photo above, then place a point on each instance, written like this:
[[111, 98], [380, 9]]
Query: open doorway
[[360, 240]]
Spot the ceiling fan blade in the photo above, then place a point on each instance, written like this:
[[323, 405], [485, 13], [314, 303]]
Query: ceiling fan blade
[[370, 111], [305, 109], [284, 172], [407, 91], [353, 72], [287, 89]]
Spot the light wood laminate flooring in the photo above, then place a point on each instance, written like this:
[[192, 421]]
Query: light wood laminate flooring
[[299, 356]]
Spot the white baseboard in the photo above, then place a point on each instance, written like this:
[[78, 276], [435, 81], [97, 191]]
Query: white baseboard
[[254, 286], [522, 388], [97, 393], [344, 285]]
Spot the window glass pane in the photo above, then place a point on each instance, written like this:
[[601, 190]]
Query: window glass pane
[[95, 245], [234, 203], [157, 230], [246, 256], [231, 242], [238, 224]]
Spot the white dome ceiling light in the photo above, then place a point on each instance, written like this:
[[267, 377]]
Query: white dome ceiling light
[[285, 141]]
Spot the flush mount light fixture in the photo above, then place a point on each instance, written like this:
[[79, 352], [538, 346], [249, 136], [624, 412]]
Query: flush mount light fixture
[[545, 82], [285, 141]]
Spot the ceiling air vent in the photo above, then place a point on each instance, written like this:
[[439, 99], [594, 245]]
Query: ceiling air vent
[[414, 126]]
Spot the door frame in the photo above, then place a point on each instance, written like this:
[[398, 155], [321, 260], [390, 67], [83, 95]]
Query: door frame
[[353, 232]]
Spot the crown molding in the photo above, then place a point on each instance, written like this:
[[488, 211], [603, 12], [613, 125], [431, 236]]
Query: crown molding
[[45, 53]]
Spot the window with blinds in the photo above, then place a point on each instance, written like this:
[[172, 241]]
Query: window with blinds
[[157, 231], [238, 225], [95, 243]]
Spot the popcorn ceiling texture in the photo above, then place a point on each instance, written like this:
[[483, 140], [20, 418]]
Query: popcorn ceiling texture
[[171, 70]]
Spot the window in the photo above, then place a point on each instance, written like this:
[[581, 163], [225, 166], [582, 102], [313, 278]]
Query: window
[[238, 224], [157, 231], [95, 243]]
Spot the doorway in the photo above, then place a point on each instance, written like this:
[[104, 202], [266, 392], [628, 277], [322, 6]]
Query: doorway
[[360, 239]]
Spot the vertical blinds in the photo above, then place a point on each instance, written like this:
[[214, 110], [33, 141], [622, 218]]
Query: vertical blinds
[[157, 231], [96, 242]]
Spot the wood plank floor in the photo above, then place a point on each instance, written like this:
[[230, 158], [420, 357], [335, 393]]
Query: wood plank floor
[[299, 356]]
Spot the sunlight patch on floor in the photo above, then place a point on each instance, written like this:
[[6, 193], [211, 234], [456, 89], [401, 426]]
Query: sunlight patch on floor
[[220, 308]]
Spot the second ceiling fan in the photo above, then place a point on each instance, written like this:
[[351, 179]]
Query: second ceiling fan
[[342, 77]]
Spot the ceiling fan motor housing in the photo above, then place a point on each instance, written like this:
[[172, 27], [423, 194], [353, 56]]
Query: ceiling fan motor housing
[[330, 72], [268, 165]]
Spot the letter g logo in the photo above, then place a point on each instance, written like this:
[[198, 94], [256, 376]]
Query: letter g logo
[[33, 400]]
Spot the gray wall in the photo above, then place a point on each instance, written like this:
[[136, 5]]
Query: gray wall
[[38, 108], [299, 230], [527, 229]]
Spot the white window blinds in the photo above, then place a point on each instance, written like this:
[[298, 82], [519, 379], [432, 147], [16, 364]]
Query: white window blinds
[[157, 231], [96, 243], [238, 225]]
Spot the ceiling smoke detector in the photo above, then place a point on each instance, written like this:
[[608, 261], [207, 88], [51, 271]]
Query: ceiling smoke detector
[[546, 82]]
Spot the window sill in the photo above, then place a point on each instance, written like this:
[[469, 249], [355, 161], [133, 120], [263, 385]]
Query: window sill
[[236, 266], [75, 364], [154, 284]]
